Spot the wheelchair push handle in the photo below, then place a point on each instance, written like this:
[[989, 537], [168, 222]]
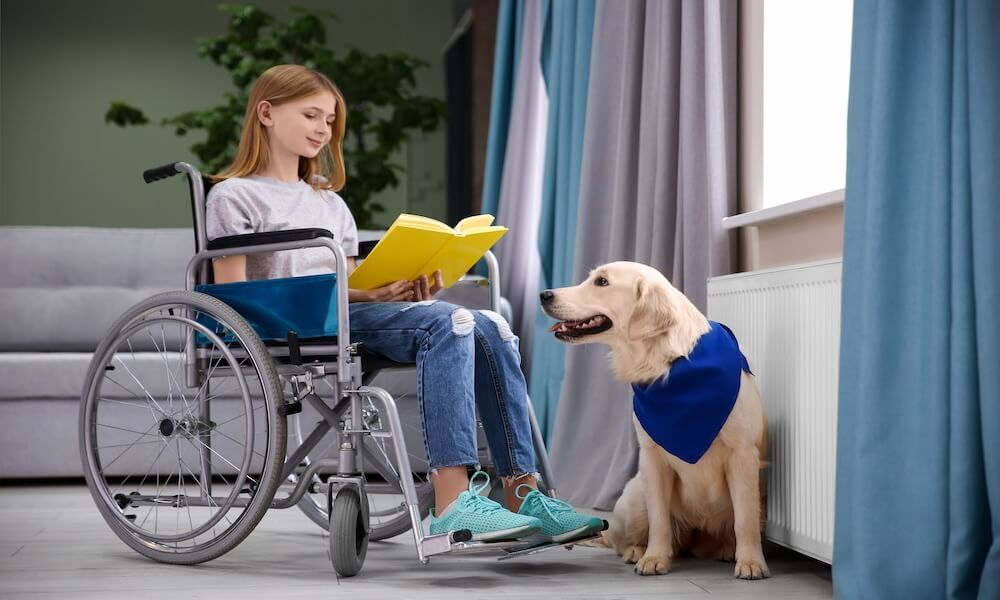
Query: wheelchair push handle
[[162, 172]]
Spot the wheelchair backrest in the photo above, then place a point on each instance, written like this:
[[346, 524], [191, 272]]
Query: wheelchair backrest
[[198, 201], [198, 211]]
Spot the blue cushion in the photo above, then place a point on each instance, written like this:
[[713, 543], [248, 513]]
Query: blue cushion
[[306, 305]]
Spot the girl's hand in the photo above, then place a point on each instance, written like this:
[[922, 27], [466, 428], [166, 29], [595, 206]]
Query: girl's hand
[[424, 290], [398, 291]]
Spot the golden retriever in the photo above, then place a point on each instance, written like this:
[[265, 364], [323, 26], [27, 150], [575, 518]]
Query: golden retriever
[[711, 508]]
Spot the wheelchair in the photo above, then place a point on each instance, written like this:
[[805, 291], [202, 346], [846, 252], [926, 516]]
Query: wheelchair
[[187, 411]]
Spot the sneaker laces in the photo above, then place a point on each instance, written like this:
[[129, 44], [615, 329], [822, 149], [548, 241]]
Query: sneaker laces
[[553, 507], [481, 504]]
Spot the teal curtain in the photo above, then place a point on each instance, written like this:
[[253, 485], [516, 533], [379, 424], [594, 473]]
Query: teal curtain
[[566, 40], [506, 56], [918, 447]]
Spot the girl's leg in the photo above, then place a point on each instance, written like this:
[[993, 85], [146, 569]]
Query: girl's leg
[[449, 344], [502, 397], [448, 483], [438, 337]]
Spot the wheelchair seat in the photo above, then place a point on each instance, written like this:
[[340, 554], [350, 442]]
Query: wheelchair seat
[[371, 362]]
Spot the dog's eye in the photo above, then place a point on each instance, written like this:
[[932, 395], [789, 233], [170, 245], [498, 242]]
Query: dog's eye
[[601, 282]]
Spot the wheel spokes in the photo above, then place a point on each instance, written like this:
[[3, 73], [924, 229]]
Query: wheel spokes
[[132, 464]]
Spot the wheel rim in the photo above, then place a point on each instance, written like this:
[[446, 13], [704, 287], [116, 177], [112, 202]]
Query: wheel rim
[[154, 505]]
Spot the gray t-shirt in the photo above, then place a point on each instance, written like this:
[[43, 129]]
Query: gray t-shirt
[[257, 204]]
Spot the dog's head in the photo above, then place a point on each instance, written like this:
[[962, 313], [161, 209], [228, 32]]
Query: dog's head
[[619, 301]]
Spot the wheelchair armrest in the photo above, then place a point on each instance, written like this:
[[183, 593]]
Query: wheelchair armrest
[[267, 237]]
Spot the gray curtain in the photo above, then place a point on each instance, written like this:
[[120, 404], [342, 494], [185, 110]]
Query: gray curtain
[[659, 174], [520, 199]]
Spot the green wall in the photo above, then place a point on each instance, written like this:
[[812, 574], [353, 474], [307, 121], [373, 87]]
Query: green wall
[[62, 62]]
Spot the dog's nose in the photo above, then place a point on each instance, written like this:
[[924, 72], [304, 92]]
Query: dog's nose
[[546, 296]]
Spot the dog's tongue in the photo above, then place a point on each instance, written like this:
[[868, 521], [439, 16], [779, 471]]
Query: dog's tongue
[[559, 324]]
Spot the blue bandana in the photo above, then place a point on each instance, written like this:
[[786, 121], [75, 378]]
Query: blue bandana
[[685, 412]]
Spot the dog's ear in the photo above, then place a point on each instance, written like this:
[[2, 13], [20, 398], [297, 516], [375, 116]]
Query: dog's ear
[[652, 312]]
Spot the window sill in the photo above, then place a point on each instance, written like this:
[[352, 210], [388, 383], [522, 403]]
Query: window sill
[[783, 211]]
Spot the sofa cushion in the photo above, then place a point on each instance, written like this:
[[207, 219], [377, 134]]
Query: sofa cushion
[[62, 319], [31, 375], [40, 375], [93, 256], [39, 412], [62, 287]]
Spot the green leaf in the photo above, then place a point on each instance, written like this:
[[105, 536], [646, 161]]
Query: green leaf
[[123, 115]]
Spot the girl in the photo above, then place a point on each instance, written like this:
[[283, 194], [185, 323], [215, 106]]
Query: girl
[[287, 170]]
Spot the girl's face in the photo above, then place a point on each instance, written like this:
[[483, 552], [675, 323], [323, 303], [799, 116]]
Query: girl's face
[[300, 127]]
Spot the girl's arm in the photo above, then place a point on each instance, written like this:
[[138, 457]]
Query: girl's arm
[[228, 269], [234, 268], [400, 291]]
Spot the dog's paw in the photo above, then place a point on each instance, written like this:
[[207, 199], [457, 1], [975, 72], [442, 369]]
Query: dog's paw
[[652, 565], [752, 568], [632, 554]]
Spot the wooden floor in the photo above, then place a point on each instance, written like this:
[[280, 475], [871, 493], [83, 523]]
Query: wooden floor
[[54, 544]]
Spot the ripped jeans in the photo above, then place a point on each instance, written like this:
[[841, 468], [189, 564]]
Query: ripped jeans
[[465, 358]]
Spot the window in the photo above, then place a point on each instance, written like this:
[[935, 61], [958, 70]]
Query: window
[[802, 58]]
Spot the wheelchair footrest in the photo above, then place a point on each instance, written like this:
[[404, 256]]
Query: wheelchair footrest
[[528, 549], [443, 544]]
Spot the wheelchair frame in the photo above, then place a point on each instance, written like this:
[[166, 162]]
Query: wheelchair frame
[[340, 360]]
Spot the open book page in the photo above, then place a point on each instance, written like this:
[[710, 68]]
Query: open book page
[[474, 223], [400, 254], [415, 246], [420, 222], [460, 253]]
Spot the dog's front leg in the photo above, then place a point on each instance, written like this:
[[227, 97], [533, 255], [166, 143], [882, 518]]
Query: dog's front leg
[[659, 483], [636, 523], [742, 474], [635, 533]]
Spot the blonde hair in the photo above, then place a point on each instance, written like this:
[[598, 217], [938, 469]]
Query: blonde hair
[[278, 85]]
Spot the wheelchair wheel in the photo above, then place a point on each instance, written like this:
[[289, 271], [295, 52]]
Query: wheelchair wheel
[[181, 468], [348, 532], [388, 513]]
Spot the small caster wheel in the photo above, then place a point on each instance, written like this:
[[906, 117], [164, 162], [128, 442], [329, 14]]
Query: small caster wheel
[[348, 532]]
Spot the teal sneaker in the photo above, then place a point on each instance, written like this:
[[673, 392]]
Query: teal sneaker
[[560, 523], [487, 520]]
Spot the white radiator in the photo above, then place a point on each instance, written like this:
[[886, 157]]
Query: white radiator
[[787, 321]]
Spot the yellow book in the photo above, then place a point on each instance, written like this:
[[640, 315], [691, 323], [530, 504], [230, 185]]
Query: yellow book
[[415, 246]]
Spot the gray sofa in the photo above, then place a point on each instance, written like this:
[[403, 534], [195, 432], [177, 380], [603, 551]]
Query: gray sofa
[[60, 289]]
